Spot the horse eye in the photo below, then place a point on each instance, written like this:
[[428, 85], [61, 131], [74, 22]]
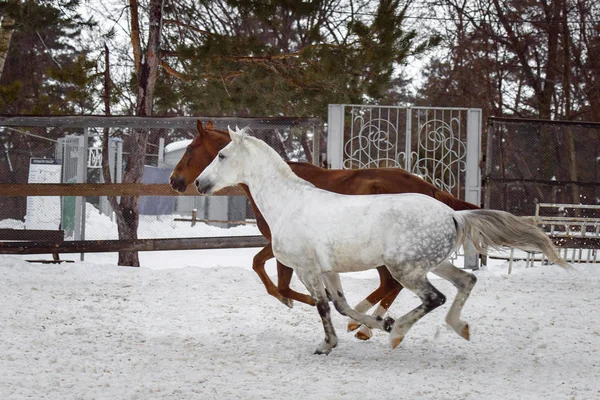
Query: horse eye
[[221, 156]]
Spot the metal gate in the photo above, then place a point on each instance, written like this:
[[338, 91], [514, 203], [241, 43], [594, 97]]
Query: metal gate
[[442, 145]]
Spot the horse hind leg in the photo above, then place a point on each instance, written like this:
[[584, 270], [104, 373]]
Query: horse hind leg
[[416, 281], [334, 288], [388, 289], [258, 265], [365, 333], [284, 277], [464, 282]]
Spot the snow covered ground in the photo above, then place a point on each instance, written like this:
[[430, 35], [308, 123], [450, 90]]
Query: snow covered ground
[[199, 325], [101, 227]]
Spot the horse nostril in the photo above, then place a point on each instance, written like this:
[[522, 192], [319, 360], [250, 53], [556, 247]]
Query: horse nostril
[[177, 183]]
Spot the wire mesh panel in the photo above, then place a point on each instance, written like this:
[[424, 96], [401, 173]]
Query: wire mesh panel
[[533, 161], [295, 139]]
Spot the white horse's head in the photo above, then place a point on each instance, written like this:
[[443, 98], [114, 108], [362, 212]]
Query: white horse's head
[[227, 168]]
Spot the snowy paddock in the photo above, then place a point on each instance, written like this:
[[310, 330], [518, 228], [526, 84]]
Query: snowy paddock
[[199, 325]]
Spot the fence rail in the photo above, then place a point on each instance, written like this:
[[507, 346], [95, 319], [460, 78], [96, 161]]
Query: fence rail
[[113, 246], [21, 241], [104, 189], [577, 237]]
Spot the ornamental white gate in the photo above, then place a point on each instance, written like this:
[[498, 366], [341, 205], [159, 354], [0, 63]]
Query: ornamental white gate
[[441, 145]]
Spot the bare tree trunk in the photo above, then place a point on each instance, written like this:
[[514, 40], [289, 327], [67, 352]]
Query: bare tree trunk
[[6, 31], [135, 34], [105, 135], [566, 60], [307, 149], [552, 68], [136, 143], [127, 220]]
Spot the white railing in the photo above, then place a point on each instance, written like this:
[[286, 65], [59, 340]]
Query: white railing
[[577, 237]]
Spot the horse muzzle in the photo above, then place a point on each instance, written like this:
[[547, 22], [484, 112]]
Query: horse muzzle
[[204, 186], [178, 184]]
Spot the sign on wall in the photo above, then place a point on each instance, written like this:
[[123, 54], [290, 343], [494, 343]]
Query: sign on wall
[[43, 212]]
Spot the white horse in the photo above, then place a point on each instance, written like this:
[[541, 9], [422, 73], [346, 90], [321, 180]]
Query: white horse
[[320, 234]]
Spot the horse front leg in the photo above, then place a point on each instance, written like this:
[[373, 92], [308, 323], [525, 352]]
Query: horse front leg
[[336, 292], [365, 333], [386, 293], [258, 265], [311, 279]]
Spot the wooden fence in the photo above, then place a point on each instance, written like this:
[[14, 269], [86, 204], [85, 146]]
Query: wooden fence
[[103, 189], [11, 244]]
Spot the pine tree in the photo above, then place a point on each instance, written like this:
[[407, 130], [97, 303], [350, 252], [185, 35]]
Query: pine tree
[[44, 73], [285, 57]]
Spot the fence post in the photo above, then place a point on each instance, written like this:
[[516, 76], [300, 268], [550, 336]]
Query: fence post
[[408, 140], [473, 174], [84, 166], [335, 136], [161, 153]]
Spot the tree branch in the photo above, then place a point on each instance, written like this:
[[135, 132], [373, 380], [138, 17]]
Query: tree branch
[[173, 72]]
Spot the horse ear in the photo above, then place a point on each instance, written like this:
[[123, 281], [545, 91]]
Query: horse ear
[[209, 125], [199, 127], [237, 136], [232, 134]]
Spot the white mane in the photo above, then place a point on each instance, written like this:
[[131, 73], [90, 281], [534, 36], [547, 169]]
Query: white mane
[[259, 148]]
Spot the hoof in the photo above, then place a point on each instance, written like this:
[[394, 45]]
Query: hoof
[[287, 302], [465, 332], [353, 325], [325, 346], [364, 334], [396, 341], [323, 350], [388, 322]]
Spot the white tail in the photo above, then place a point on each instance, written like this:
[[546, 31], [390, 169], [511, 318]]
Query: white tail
[[492, 228]]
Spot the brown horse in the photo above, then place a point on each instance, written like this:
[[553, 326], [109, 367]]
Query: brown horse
[[209, 141]]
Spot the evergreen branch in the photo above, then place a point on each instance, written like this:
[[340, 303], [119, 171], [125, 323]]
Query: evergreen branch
[[229, 78], [261, 58], [173, 72], [190, 27]]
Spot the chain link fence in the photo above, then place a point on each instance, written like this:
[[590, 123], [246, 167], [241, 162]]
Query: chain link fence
[[534, 161], [69, 149]]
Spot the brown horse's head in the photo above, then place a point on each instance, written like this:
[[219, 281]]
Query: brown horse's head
[[203, 149]]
